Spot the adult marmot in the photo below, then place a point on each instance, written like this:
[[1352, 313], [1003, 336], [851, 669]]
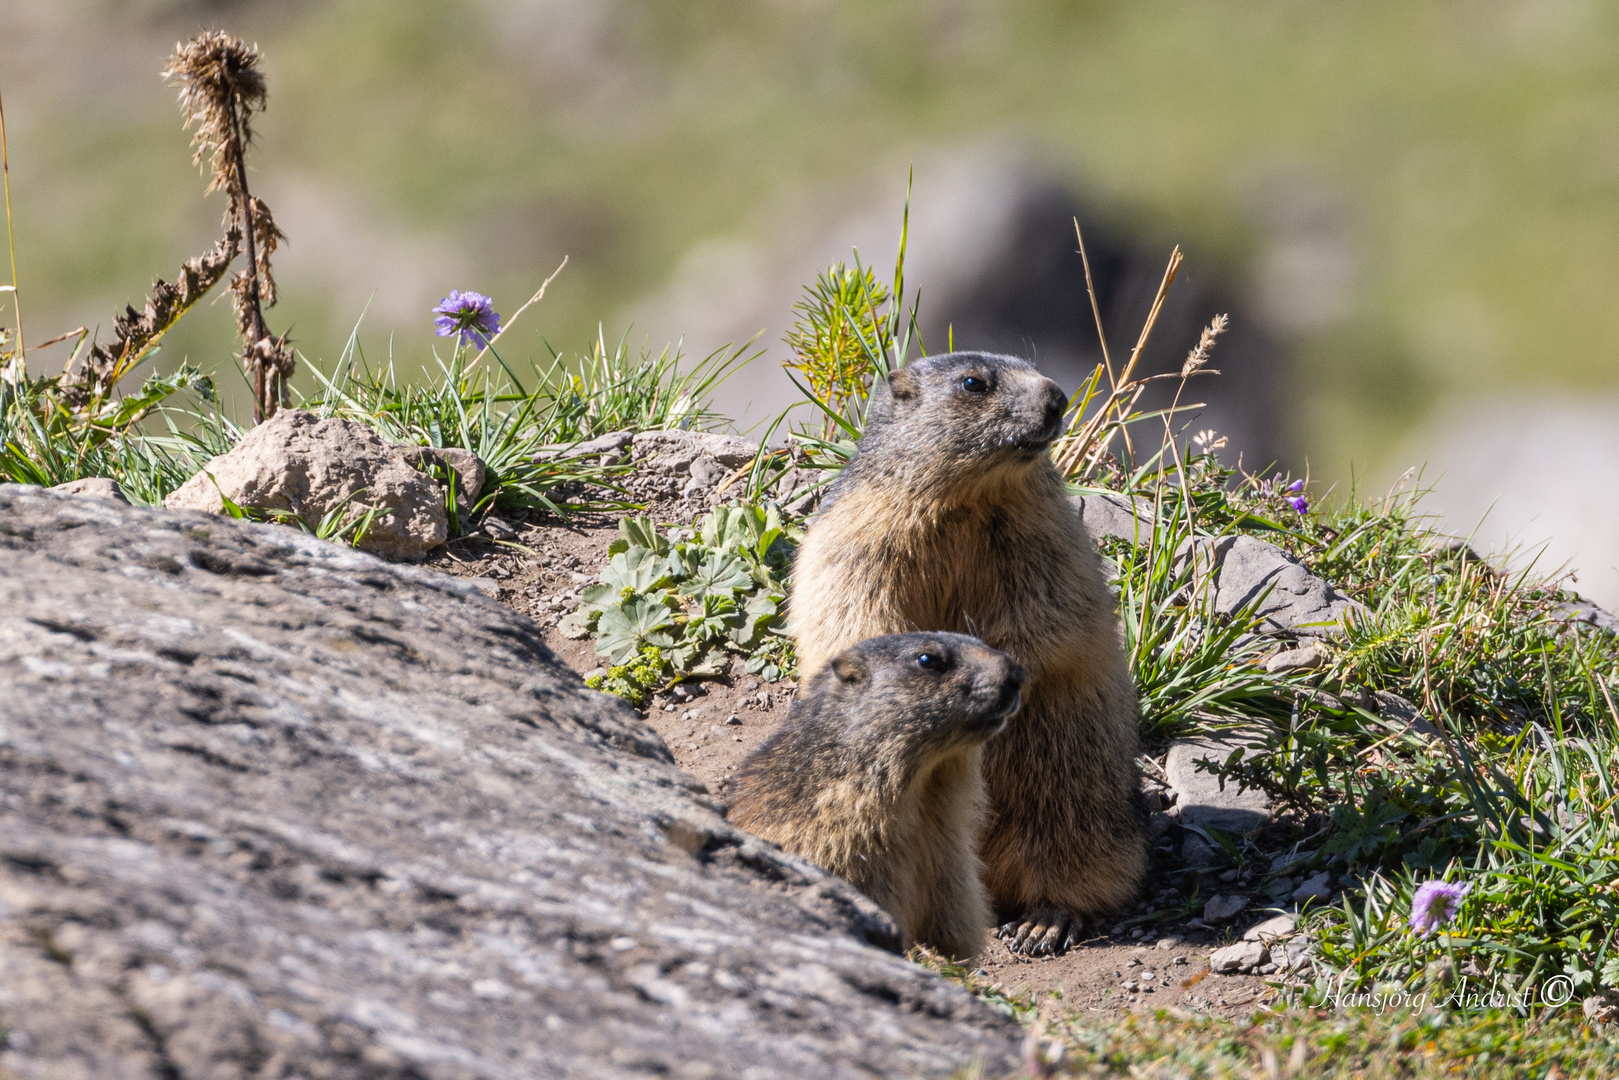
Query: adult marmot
[[875, 775], [953, 517]]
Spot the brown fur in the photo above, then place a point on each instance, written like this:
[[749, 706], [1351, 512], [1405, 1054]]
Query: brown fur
[[875, 775], [952, 517]]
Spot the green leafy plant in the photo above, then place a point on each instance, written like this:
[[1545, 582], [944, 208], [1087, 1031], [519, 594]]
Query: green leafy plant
[[693, 598]]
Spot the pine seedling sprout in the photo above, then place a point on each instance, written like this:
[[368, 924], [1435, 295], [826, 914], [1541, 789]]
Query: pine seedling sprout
[[221, 88]]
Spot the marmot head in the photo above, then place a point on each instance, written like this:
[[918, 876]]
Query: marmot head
[[974, 412], [909, 699]]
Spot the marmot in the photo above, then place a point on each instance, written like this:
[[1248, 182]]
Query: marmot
[[875, 775], [952, 516]]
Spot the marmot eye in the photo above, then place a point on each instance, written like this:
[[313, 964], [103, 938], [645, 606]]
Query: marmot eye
[[974, 385], [932, 661]]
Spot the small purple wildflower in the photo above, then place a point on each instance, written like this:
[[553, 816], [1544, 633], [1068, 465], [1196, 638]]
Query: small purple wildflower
[[1296, 486], [1299, 503], [1435, 903], [470, 314]]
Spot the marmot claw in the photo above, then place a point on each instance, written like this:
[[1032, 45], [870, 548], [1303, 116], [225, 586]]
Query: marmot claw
[[1045, 932]]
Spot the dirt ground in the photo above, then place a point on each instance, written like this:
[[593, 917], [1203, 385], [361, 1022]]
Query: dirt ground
[[538, 568]]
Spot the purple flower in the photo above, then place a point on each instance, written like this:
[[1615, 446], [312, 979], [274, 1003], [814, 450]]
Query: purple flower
[[1296, 486], [1299, 503], [470, 314], [1435, 903]]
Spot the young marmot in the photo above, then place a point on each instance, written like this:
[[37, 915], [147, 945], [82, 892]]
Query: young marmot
[[875, 775], [952, 517]]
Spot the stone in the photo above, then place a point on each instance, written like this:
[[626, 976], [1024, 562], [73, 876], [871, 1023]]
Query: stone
[[1220, 908], [675, 452], [1199, 795], [302, 464], [1396, 708], [1289, 859], [272, 806], [470, 471], [612, 444], [1586, 611], [1601, 1008], [1307, 658], [1277, 926], [1298, 603], [93, 487], [1289, 956], [1106, 514], [1316, 887], [1238, 958]]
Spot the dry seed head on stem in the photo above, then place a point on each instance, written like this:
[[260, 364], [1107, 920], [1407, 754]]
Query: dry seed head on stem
[[1205, 346]]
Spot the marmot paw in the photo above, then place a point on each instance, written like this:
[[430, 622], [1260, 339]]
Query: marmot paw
[[1042, 932]]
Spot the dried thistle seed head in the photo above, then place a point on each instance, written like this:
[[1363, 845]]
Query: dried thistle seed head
[[220, 90], [1205, 345]]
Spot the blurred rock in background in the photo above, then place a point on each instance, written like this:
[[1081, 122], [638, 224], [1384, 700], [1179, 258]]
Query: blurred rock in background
[[1530, 476]]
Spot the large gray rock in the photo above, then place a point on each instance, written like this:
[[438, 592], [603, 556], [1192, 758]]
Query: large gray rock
[[301, 464], [270, 807], [1295, 601]]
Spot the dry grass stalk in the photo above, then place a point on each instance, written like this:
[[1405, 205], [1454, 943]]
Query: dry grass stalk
[[221, 88], [1086, 445], [17, 367]]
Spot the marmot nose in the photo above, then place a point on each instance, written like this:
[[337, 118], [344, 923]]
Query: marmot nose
[[1056, 403]]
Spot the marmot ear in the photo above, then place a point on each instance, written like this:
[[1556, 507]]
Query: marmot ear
[[849, 667], [903, 384]]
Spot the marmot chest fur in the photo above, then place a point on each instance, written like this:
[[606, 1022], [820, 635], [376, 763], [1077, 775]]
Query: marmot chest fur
[[875, 775], [952, 517]]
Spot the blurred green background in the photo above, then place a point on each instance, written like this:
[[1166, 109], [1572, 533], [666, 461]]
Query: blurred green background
[[1416, 202]]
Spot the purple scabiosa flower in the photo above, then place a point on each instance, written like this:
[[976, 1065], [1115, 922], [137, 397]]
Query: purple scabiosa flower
[[1434, 904], [470, 314]]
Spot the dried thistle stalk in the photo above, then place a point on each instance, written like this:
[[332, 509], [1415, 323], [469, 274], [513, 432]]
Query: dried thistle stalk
[[134, 332], [221, 88]]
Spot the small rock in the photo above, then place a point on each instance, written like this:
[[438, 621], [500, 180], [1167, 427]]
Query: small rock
[[1275, 927], [681, 692], [469, 470], [1289, 860], [1134, 961], [1316, 887], [1178, 960], [1601, 1008], [92, 487], [1289, 955], [1396, 708], [1167, 943], [309, 466], [669, 708], [1199, 794], [677, 451], [1243, 956], [611, 443], [1307, 658], [1220, 908], [734, 720], [496, 529], [488, 586], [1266, 968], [1295, 600]]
